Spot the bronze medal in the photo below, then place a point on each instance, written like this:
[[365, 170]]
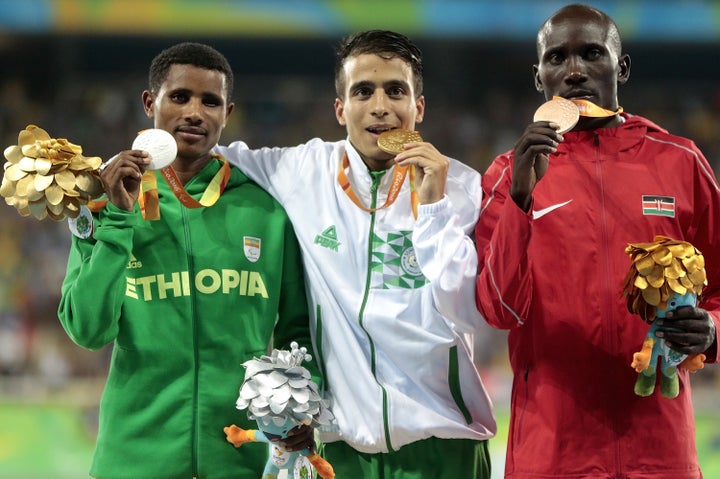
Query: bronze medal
[[559, 111]]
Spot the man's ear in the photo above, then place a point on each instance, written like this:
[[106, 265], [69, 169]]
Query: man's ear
[[624, 70], [148, 100], [340, 111], [419, 109], [536, 78], [229, 109]]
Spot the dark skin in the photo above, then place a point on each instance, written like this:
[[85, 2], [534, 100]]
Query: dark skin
[[299, 438], [192, 105], [579, 57]]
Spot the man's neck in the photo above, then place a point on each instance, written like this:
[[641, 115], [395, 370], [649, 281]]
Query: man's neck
[[378, 165], [590, 123], [186, 169], [371, 163]]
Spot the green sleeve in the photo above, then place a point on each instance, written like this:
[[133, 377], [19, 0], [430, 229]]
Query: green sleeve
[[94, 286], [293, 318]]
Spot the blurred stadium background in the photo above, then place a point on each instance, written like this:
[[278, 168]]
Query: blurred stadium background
[[77, 68]]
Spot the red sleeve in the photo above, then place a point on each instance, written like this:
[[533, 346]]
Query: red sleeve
[[504, 288], [706, 237]]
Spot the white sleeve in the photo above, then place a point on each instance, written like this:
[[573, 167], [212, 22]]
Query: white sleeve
[[263, 165], [448, 259], [284, 172]]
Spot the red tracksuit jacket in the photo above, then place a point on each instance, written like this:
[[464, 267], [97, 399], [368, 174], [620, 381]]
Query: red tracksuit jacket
[[553, 277]]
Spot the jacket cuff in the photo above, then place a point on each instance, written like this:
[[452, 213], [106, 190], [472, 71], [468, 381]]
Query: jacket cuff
[[112, 216], [713, 353], [432, 209]]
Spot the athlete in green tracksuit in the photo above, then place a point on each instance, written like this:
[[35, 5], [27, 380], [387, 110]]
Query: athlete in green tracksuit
[[186, 298]]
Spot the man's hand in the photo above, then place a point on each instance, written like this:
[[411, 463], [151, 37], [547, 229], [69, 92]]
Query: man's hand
[[299, 438], [121, 177], [431, 167], [530, 162], [687, 330]]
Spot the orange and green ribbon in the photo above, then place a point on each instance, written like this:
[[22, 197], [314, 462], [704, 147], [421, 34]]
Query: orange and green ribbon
[[395, 186], [588, 108], [149, 204]]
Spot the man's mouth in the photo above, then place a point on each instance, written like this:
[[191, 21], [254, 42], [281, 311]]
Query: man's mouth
[[191, 130], [578, 95], [377, 129]]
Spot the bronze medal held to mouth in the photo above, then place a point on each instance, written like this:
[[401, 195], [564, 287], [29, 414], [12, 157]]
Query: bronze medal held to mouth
[[560, 111]]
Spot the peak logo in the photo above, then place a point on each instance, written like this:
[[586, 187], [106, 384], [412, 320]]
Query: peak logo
[[328, 239]]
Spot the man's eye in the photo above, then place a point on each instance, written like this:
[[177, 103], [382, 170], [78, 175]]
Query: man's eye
[[555, 59], [594, 54]]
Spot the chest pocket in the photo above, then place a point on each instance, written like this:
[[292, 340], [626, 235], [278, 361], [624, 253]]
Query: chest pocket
[[393, 263]]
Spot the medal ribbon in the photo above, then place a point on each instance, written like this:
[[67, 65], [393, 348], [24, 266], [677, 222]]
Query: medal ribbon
[[96, 205], [588, 108], [148, 200], [413, 193], [395, 186]]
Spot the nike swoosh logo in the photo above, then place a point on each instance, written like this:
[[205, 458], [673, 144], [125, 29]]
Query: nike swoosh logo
[[537, 214]]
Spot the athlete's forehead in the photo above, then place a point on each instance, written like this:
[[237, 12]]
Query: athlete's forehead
[[578, 25]]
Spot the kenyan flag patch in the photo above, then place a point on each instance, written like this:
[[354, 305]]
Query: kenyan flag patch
[[658, 205]]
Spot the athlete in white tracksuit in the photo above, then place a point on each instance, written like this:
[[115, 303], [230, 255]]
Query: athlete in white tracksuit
[[408, 401], [395, 369]]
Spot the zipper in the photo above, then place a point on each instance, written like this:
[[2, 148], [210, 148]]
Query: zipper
[[603, 257], [608, 328], [376, 177], [196, 352]]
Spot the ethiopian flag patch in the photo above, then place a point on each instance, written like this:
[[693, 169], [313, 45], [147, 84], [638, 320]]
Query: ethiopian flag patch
[[658, 205]]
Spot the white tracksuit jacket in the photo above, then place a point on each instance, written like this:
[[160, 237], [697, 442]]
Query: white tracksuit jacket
[[395, 370]]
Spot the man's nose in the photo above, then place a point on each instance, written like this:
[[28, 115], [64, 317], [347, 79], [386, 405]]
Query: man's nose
[[575, 71], [380, 103], [193, 110]]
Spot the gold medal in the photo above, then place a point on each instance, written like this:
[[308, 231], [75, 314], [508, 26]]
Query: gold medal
[[559, 111], [392, 141]]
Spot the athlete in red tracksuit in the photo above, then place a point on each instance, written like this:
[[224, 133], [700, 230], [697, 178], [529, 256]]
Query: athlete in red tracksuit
[[553, 275]]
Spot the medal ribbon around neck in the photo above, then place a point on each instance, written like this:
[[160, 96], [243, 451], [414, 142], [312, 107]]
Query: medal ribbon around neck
[[588, 108], [148, 200], [395, 186]]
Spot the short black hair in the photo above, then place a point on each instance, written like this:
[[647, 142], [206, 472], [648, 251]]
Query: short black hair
[[189, 53], [378, 42]]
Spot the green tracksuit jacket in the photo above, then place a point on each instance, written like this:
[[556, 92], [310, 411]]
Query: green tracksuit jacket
[[186, 300]]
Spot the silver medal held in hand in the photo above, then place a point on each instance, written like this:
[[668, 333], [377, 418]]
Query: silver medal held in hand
[[159, 144]]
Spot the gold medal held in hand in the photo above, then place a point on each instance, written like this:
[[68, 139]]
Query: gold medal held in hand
[[559, 111], [392, 141]]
